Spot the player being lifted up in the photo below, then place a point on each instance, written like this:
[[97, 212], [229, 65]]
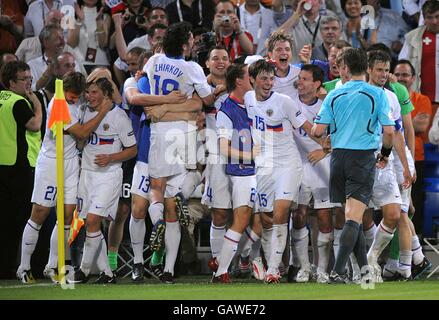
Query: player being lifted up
[[315, 182], [279, 167], [173, 143], [100, 183], [45, 190], [235, 143]]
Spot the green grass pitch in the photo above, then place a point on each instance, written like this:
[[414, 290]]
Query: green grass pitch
[[198, 288]]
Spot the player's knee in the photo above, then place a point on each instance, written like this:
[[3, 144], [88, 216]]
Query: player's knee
[[138, 210], [39, 214], [219, 218], [93, 223]]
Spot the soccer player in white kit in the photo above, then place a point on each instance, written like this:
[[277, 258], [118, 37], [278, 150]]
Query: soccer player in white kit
[[315, 182], [101, 176], [45, 190], [386, 193], [170, 153], [216, 195], [279, 167]]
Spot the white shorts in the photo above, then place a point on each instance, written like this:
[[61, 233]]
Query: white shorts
[[141, 183], [315, 185], [243, 189], [277, 184], [385, 188], [174, 184], [45, 189], [166, 155], [99, 193], [397, 166], [172, 152], [217, 188]]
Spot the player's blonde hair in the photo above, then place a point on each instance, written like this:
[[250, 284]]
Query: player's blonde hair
[[278, 35]]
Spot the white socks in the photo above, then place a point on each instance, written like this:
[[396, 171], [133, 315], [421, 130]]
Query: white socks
[[405, 263], [266, 242], [369, 235], [250, 238], [28, 244], [172, 243], [137, 235], [102, 258], [155, 211], [53, 254], [418, 255], [324, 247], [301, 241], [231, 240], [383, 236], [93, 242], [278, 242], [216, 239]]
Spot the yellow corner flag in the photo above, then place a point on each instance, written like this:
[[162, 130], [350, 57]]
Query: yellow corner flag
[[59, 116]]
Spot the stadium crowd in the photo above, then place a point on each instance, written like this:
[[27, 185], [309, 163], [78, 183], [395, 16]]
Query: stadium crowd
[[289, 124]]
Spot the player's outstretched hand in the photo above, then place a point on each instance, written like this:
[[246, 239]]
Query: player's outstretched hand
[[103, 160], [316, 155]]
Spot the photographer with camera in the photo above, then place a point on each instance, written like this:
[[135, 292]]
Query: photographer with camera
[[229, 33]]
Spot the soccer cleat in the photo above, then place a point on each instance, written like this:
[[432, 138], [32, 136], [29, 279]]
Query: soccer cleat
[[292, 273], [25, 276], [137, 274], [104, 278], [223, 278], [303, 275], [78, 277], [272, 278], [51, 273], [156, 271], [167, 278], [157, 238], [356, 278], [390, 274], [419, 269], [182, 209], [322, 277], [335, 278], [213, 264], [258, 269]]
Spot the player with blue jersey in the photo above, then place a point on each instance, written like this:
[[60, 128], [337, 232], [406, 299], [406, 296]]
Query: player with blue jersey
[[355, 114], [236, 144]]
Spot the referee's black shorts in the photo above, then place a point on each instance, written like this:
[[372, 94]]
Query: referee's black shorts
[[352, 175]]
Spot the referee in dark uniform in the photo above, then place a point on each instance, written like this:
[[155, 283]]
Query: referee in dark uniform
[[357, 115]]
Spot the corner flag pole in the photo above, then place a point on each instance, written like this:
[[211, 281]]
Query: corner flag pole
[[59, 116]]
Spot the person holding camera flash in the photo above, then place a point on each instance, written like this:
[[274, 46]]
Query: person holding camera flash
[[227, 26]]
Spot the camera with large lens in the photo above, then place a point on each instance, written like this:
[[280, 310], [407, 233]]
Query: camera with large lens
[[226, 19]]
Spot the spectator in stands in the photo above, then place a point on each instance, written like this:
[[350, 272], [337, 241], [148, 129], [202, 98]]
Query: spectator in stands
[[37, 13], [227, 26], [352, 27], [421, 115], [89, 37], [303, 24], [4, 59], [390, 26], [330, 29], [259, 21], [20, 122], [420, 49], [11, 24], [413, 9], [199, 13], [52, 44]]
